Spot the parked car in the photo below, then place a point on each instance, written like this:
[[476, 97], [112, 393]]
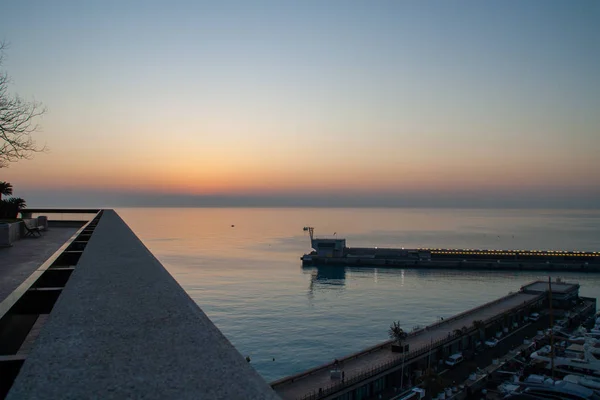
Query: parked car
[[454, 359], [534, 317], [491, 342]]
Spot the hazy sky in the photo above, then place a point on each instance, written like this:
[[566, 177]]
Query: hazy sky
[[357, 102]]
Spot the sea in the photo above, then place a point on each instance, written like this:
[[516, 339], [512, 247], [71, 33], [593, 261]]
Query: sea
[[242, 267]]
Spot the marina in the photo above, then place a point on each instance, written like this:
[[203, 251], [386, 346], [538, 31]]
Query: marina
[[380, 368], [333, 251]]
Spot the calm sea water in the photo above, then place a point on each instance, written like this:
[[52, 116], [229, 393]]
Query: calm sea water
[[242, 267]]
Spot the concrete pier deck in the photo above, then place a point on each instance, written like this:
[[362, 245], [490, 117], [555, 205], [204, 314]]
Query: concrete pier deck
[[297, 387], [26, 255], [123, 328]]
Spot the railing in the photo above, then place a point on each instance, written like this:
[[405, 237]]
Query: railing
[[468, 312], [369, 350], [372, 372], [83, 214], [336, 387], [586, 307]]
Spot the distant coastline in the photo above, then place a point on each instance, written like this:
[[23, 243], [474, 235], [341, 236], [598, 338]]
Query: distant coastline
[[104, 201]]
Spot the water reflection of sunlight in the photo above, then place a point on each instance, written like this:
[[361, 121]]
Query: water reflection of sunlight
[[402, 277]]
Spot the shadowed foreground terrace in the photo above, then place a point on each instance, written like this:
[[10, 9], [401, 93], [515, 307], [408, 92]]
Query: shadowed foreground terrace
[[123, 328], [26, 255]]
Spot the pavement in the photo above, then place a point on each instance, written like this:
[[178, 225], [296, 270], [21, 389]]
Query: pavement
[[26, 255]]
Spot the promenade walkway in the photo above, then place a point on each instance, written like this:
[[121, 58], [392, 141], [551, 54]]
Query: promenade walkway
[[300, 386], [26, 255]]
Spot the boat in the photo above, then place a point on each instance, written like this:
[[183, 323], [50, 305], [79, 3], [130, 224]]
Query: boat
[[586, 361], [560, 390], [541, 387], [585, 380], [580, 348]]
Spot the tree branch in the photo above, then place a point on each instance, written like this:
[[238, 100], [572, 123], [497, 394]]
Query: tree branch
[[17, 123]]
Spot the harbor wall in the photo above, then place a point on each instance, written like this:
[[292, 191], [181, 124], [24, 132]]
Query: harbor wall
[[385, 376], [493, 265]]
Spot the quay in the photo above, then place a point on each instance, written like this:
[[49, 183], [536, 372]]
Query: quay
[[102, 318], [380, 368], [335, 252]]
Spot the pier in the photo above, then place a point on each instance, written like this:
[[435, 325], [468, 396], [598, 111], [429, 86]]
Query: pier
[[379, 368], [327, 251]]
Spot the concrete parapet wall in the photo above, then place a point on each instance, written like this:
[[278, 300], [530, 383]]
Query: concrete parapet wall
[[9, 233], [65, 224], [124, 328]]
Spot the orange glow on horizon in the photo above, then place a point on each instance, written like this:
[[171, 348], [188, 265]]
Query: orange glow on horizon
[[240, 171]]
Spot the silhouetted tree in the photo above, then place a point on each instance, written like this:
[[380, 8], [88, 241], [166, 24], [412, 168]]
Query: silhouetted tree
[[10, 208], [397, 333], [17, 122], [6, 189]]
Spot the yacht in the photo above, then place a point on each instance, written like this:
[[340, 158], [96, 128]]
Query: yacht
[[587, 361], [585, 380], [540, 387]]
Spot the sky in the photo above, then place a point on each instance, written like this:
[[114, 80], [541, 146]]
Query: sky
[[349, 103]]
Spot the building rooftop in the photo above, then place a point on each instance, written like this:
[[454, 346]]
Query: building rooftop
[[557, 287], [124, 328]]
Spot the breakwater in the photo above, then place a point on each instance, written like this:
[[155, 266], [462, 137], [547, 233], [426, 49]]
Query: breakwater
[[463, 264], [335, 252]]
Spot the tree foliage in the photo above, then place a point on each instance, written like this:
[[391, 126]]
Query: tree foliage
[[17, 122], [10, 208], [6, 189], [396, 332]]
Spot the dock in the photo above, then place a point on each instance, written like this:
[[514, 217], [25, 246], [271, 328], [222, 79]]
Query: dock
[[328, 251], [377, 368]]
